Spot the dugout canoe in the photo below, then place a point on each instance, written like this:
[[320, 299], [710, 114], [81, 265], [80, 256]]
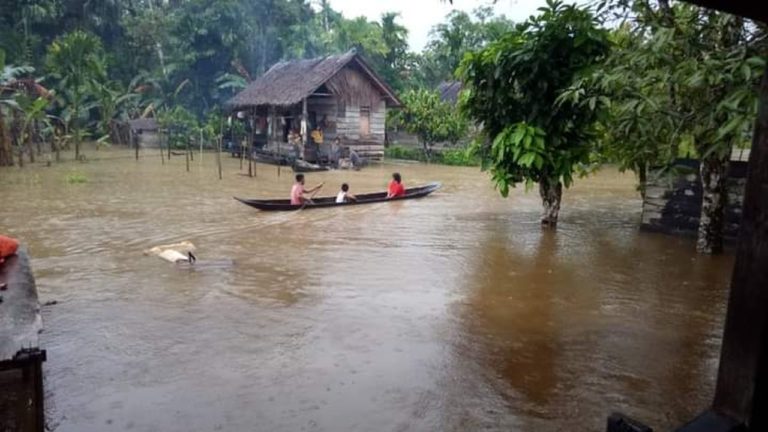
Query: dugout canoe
[[367, 198]]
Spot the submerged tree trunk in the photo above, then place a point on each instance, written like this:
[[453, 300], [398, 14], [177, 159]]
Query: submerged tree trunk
[[17, 136], [6, 149], [77, 143], [76, 127], [31, 143], [714, 174], [642, 176], [551, 192], [427, 150], [55, 148], [38, 138]]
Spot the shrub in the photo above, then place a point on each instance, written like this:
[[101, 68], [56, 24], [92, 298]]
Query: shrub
[[455, 157]]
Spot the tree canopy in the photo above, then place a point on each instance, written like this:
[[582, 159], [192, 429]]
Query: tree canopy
[[514, 88], [680, 81]]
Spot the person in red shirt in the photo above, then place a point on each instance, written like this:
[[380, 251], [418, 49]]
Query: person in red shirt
[[8, 247], [396, 188]]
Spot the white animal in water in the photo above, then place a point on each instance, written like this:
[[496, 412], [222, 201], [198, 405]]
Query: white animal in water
[[177, 252]]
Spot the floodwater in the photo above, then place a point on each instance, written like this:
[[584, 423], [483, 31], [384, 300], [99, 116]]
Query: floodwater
[[450, 313]]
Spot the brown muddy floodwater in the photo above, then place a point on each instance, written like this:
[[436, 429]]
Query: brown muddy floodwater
[[450, 313]]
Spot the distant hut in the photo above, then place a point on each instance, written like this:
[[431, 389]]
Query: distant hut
[[449, 91], [145, 131], [306, 104]]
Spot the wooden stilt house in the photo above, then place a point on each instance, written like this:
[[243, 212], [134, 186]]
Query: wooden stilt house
[[303, 106]]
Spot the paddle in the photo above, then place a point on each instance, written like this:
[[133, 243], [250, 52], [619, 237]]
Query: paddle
[[320, 186]]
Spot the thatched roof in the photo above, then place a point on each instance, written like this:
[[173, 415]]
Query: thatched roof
[[449, 91], [289, 82]]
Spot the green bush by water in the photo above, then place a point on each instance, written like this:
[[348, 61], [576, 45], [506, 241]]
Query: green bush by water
[[456, 157]]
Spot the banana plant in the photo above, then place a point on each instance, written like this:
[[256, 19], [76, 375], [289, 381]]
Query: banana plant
[[34, 115], [11, 83], [113, 104]]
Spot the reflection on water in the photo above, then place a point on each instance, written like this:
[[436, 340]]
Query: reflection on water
[[454, 312]]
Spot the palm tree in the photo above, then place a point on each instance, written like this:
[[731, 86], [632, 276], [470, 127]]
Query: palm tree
[[76, 61]]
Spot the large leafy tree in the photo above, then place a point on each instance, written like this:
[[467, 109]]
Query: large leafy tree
[[717, 100], [679, 74], [513, 89], [76, 63], [431, 119], [458, 34], [639, 125], [395, 58]]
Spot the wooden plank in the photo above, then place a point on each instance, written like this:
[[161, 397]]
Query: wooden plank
[[742, 382], [370, 154], [364, 147], [304, 128], [20, 320]]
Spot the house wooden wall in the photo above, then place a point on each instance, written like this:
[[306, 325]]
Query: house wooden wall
[[673, 205], [149, 139], [344, 122]]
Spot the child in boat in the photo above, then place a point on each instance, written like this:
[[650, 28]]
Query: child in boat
[[396, 188], [344, 196]]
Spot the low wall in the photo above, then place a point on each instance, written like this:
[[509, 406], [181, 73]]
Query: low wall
[[672, 201]]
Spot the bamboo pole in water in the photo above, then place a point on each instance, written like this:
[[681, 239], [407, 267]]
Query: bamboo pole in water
[[160, 143], [251, 167], [218, 157], [168, 143], [201, 148], [279, 140], [221, 138], [134, 141], [242, 151], [188, 153]]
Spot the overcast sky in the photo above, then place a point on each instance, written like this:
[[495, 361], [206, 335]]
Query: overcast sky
[[418, 16]]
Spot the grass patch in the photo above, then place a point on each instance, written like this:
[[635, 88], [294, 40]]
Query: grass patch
[[76, 178], [455, 157]]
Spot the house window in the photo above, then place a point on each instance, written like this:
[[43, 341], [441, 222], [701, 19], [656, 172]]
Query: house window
[[341, 109], [365, 121]]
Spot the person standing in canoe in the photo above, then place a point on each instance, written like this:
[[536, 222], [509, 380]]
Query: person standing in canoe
[[298, 191], [396, 188]]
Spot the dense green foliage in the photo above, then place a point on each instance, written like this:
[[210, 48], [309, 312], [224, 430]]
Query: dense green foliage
[[514, 87], [180, 124], [107, 60], [451, 40], [695, 95], [444, 156], [200, 41], [681, 80], [76, 64], [430, 119]]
